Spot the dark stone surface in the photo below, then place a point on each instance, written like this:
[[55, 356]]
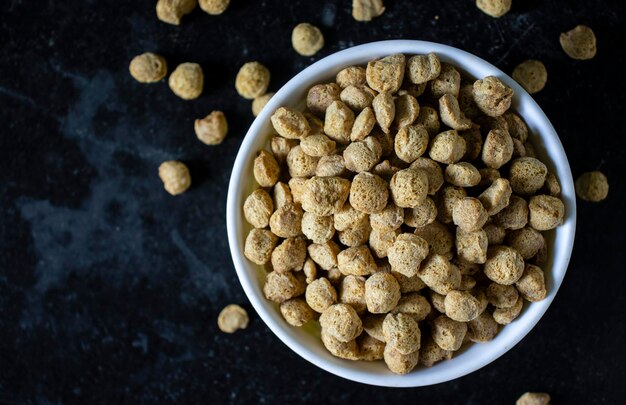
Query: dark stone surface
[[110, 288]]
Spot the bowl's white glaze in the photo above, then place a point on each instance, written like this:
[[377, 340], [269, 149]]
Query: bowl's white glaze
[[306, 341]]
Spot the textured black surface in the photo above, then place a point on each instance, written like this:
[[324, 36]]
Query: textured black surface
[[110, 288]]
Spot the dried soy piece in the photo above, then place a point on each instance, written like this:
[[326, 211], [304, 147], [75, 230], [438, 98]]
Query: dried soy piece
[[290, 124], [266, 169], [384, 110], [400, 363], [320, 294], [342, 322], [546, 212], [365, 10], [382, 293], [175, 177], [296, 312], [402, 333], [280, 287], [592, 186], [386, 74], [282, 195], [232, 318], [187, 81], [492, 96], [307, 39], [258, 208], [259, 103], [339, 122], [527, 175], [579, 43], [451, 113], [423, 68], [171, 11], [212, 129], [534, 398], [448, 82], [214, 7], [531, 75], [448, 333], [447, 147], [259, 245], [252, 80], [494, 8], [504, 265], [148, 67]]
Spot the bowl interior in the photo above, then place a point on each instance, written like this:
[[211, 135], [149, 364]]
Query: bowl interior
[[305, 341]]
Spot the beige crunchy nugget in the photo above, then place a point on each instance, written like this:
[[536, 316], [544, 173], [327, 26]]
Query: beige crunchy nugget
[[384, 110], [280, 287], [400, 363], [259, 103], [342, 322], [258, 208], [402, 333], [592, 186], [406, 254], [259, 245], [448, 333], [289, 255], [579, 43], [439, 238], [320, 295], [382, 293], [357, 97], [252, 80], [362, 156], [534, 398], [451, 113], [266, 169], [296, 312], [386, 74], [171, 11], [531, 75], [365, 10], [513, 216], [409, 187], [212, 129], [307, 39], [187, 81], [352, 75], [339, 121], [492, 96], [214, 7], [148, 67], [504, 265], [290, 124], [368, 193], [356, 261], [232, 318], [546, 212], [407, 110], [352, 292], [411, 142], [175, 177], [447, 147], [321, 96], [494, 8], [423, 68], [421, 215], [448, 82]]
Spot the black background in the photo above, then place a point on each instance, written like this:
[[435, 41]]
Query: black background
[[110, 288]]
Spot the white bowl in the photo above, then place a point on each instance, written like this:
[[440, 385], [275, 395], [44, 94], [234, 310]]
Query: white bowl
[[306, 341]]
